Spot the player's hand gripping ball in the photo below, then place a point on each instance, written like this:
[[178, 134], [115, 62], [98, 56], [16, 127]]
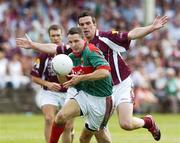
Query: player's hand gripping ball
[[62, 64]]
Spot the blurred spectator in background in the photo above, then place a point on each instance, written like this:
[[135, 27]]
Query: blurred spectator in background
[[3, 68], [145, 100], [15, 77], [171, 90]]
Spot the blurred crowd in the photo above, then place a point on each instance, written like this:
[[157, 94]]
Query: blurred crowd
[[154, 60]]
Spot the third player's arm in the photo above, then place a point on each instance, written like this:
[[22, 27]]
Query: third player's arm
[[140, 32], [47, 48], [50, 85]]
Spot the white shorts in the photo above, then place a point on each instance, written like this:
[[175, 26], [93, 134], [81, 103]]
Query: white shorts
[[97, 110], [53, 98], [123, 92], [71, 92]]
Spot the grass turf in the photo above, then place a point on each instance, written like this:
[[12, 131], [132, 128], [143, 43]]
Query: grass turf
[[25, 128]]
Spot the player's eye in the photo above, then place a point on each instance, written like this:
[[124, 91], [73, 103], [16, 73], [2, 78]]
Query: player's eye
[[76, 41], [58, 35], [88, 23]]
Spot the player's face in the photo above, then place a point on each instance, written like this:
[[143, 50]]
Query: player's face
[[55, 36], [87, 26], [76, 42]]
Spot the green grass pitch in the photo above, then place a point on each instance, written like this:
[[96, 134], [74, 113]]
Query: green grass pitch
[[21, 128]]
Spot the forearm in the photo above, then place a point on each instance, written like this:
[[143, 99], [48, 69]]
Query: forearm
[[61, 78], [39, 81], [96, 75], [46, 48], [140, 32]]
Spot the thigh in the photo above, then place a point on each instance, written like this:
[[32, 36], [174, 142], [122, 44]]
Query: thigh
[[71, 93], [103, 136], [70, 110], [123, 93], [125, 111], [99, 112], [86, 135]]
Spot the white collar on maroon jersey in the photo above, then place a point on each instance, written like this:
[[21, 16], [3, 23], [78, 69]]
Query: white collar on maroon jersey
[[97, 32]]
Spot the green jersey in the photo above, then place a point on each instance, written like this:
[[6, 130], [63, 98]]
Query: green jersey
[[90, 59]]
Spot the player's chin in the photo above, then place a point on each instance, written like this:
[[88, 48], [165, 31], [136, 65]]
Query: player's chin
[[87, 35], [57, 43]]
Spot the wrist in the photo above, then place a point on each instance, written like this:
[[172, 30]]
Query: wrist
[[152, 28], [32, 45], [83, 77], [46, 84]]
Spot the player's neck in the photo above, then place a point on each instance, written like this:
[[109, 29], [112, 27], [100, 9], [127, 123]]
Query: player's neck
[[89, 38]]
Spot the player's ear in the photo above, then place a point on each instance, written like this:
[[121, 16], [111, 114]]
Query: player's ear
[[78, 25]]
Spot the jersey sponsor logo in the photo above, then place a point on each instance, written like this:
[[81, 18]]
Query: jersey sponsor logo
[[80, 70], [36, 63], [115, 32]]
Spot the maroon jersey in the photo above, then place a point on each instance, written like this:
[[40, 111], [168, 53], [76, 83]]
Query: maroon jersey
[[43, 67], [113, 44]]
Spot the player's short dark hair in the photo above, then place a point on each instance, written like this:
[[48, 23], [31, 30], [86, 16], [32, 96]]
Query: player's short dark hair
[[54, 27], [87, 13], [75, 30]]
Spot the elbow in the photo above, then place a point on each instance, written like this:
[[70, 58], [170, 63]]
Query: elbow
[[131, 36]]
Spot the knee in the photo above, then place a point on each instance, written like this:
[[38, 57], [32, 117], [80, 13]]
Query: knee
[[126, 125], [49, 119], [60, 118]]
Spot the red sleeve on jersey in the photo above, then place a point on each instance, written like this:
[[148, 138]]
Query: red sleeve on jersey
[[92, 47], [79, 70]]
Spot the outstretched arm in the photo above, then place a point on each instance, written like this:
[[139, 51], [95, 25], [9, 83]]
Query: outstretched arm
[[140, 32], [28, 44]]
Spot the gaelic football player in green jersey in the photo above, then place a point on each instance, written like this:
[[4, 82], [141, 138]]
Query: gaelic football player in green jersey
[[91, 77]]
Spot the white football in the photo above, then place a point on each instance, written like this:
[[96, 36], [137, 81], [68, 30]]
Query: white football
[[62, 64]]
